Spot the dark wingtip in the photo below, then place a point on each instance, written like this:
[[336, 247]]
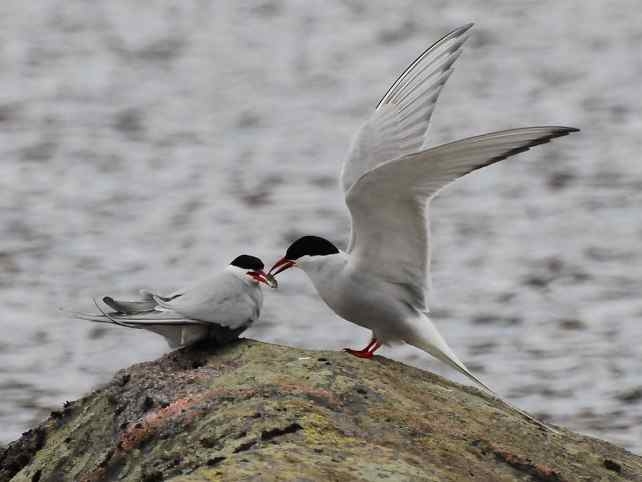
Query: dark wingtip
[[554, 133], [571, 129], [455, 33], [109, 301], [458, 32], [563, 131]]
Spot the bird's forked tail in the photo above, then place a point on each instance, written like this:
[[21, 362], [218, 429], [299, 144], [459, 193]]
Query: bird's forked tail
[[427, 338]]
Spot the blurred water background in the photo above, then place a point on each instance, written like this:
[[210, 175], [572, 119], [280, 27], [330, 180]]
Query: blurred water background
[[146, 144]]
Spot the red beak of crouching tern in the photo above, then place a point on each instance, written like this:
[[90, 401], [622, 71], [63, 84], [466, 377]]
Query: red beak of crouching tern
[[281, 265], [263, 277]]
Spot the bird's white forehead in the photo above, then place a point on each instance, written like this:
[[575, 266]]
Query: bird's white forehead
[[309, 262]]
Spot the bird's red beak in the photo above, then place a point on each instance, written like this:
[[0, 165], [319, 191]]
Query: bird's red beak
[[281, 265], [263, 277]]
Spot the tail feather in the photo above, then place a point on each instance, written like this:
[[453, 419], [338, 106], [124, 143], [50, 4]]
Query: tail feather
[[177, 330], [129, 307], [139, 320], [96, 318], [428, 339]]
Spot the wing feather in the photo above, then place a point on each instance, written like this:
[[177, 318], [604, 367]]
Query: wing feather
[[399, 124], [140, 320], [388, 204]]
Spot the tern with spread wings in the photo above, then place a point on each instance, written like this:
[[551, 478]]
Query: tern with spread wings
[[218, 308], [389, 179]]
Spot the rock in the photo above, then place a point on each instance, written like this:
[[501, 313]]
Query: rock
[[255, 411]]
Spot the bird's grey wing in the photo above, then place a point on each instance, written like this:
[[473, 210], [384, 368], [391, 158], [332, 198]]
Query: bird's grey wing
[[224, 300], [388, 203], [399, 124]]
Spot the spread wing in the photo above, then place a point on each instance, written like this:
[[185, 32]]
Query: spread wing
[[389, 202], [398, 125]]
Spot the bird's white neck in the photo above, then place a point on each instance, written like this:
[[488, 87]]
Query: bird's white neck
[[322, 268]]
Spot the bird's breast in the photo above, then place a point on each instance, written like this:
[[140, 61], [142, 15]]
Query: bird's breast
[[363, 301]]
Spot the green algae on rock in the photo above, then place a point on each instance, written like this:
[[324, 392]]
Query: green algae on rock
[[255, 411]]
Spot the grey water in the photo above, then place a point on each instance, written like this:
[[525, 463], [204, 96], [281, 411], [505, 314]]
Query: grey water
[[146, 144]]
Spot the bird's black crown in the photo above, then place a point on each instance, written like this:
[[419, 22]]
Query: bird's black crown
[[246, 261], [311, 246]]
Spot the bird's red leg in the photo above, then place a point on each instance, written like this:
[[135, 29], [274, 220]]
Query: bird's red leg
[[367, 352], [375, 347]]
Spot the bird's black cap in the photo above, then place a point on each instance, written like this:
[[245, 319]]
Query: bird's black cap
[[311, 246], [245, 261]]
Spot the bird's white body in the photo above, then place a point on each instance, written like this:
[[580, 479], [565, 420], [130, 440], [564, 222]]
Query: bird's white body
[[384, 307], [368, 301], [389, 178]]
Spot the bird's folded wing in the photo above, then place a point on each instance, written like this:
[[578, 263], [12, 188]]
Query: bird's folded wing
[[223, 299], [388, 203], [399, 124], [141, 320]]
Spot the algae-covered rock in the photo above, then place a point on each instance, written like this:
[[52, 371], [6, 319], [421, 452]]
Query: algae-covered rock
[[254, 411]]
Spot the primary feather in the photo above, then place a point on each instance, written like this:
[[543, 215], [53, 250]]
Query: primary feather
[[399, 124]]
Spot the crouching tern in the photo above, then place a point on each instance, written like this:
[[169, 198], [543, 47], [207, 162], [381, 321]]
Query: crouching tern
[[389, 179], [218, 308]]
